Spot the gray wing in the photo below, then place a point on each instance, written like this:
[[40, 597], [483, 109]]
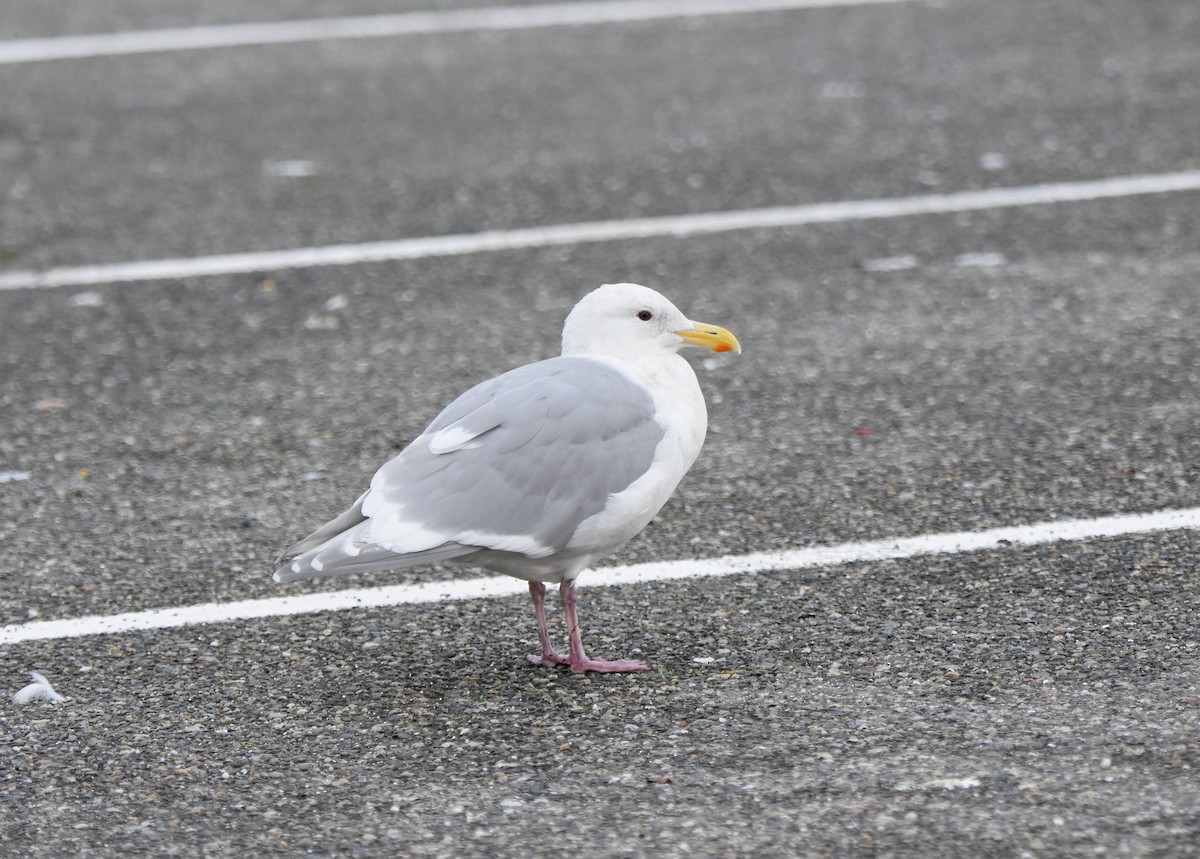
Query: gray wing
[[514, 464], [340, 539]]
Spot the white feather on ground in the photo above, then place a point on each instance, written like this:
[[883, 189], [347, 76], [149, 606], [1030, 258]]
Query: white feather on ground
[[39, 690], [542, 470]]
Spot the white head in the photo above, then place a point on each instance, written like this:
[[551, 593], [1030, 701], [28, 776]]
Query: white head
[[624, 320]]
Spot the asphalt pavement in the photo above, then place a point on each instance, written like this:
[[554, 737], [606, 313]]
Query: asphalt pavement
[[161, 441]]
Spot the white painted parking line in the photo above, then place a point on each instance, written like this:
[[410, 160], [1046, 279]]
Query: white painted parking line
[[672, 226], [501, 586], [399, 24]]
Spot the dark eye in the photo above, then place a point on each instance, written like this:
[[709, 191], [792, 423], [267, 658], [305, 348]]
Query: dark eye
[[645, 315]]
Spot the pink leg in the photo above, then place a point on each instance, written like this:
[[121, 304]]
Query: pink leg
[[579, 660], [550, 656]]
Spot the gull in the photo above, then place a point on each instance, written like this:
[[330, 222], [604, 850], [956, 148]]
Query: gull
[[542, 470]]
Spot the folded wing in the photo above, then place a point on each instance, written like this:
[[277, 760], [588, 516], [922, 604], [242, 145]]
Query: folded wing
[[513, 465]]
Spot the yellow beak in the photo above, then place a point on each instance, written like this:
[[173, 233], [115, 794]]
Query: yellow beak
[[711, 337]]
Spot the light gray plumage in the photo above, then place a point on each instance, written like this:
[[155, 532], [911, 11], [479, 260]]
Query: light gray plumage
[[526, 430], [540, 471]]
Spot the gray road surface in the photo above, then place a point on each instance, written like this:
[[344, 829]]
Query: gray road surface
[[1024, 365]]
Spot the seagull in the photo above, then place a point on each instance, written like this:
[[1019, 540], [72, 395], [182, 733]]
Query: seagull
[[542, 470]]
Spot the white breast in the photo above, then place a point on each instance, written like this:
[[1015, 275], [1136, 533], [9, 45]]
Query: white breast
[[681, 412]]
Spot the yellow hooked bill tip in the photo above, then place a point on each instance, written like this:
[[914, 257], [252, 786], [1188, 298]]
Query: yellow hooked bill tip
[[710, 337]]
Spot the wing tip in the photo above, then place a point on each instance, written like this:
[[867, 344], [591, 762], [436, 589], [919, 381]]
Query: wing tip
[[288, 570]]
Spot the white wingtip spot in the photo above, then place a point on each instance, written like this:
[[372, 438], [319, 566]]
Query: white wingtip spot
[[316, 565], [277, 577]]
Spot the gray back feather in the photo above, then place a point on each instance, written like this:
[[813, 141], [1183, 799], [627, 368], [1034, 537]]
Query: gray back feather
[[553, 440]]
